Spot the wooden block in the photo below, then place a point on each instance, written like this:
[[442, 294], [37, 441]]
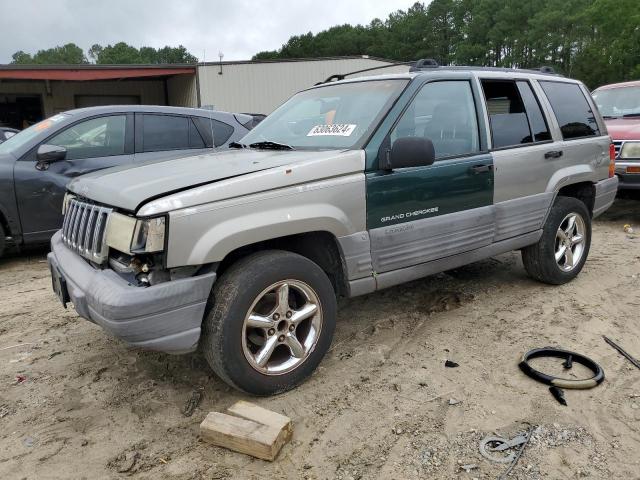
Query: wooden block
[[251, 411], [255, 431]]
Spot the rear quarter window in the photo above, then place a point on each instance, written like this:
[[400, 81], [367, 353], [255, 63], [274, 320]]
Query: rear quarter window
[[214, 132], [572, 110]]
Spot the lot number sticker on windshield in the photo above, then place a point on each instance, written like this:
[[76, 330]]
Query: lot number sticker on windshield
[[338, 129]]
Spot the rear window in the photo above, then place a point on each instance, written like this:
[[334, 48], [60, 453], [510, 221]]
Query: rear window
[[573, 112]]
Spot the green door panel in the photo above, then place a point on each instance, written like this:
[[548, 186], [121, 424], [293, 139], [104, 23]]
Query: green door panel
[[410, 194]]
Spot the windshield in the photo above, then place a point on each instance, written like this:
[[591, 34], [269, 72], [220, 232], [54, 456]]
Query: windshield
[[330, 117], [618, 102], [23, 137]]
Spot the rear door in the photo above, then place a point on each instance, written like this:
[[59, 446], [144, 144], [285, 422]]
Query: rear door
[[584, 140], [162, 137], [92, 144], [524, 154], [420, 214]]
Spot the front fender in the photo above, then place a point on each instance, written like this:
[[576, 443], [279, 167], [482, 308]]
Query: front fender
[[207, 233]]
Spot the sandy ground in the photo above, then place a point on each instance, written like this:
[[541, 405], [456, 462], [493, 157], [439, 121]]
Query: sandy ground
[[379, 406]]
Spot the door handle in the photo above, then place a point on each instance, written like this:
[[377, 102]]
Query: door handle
[[553, 154], [477, 169]]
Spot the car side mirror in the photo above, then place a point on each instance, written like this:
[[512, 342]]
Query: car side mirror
[[411, 152], [50, 153]]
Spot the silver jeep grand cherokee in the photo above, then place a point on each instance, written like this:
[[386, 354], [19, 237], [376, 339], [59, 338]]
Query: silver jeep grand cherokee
[[349, 187]]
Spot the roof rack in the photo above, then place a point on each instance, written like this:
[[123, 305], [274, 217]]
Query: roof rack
[[430, 63], [546, 69], [424, 63], [341, 76]]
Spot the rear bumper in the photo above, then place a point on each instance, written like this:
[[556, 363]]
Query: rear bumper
[[165, 317], [605, 195]]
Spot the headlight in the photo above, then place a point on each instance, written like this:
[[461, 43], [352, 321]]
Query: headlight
[[131, 235], [148, 236], [630, 150]]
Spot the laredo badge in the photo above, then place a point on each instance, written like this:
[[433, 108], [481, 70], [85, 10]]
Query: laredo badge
[[338, 130]]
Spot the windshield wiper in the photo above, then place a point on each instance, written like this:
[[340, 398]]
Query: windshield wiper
[[268, 145], [237, 145], [631, 115], [609, 117]]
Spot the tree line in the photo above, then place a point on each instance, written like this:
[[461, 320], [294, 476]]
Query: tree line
[[118, 54], [597, 41]]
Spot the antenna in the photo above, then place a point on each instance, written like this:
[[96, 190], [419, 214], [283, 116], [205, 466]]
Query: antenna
[[221, 56]]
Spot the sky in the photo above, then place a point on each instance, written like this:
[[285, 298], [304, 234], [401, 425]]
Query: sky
[[239, 28]]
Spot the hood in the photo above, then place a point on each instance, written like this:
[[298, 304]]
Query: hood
[[623, 128], [128, 187]]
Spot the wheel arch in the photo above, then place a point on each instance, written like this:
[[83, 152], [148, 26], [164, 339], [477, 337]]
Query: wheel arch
[[584, 191], [321, 247]]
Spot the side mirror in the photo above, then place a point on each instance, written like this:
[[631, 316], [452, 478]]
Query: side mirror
[[411, 152], [50, 153]]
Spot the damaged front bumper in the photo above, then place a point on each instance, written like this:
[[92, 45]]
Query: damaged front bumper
[[166, 317]]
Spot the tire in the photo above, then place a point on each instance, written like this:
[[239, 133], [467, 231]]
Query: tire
[[231, 341], [540, 259], [2, 240]]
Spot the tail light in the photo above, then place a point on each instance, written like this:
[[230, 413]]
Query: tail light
[[612, 160]]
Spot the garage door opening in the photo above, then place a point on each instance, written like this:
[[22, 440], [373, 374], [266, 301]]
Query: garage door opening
[[82, 101], [20, 111]]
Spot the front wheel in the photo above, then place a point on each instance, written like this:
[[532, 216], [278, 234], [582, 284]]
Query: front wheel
[[561, 252], [270, 322], [2, 240]]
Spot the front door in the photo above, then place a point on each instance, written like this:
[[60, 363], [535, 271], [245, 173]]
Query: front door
[[91, 145], [419, 214]]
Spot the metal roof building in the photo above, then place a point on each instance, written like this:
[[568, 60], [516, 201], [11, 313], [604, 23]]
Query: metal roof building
[[29, 93]]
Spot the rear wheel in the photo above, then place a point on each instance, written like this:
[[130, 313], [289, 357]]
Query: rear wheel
[[270, 322], [561, 252]]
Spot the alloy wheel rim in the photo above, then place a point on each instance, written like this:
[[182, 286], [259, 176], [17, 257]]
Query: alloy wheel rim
[[570, 242], [282, 327]]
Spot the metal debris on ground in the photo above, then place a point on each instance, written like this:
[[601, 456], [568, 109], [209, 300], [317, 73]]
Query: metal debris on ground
[[193, 402], [622, 351], [54, 354], [490, 445], [519, 454], [453, 401]]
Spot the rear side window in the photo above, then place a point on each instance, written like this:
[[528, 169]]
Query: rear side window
[[507, 116], [575, 117], [165, 132], [537, 123], [214, 132]]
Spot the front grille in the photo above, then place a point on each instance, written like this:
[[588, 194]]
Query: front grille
[[617, 144], [84, 228]]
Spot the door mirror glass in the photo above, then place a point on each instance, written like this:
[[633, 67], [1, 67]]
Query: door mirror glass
[[51, 153], [411, 152]]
